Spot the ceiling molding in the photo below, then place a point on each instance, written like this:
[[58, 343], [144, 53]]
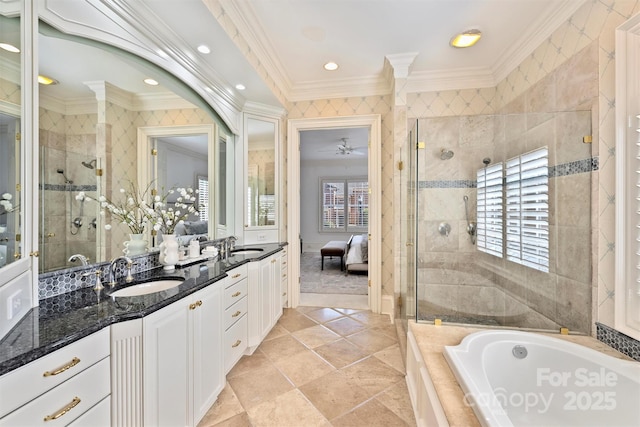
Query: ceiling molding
[[538, 32], [432, 81], [243, 17], [262, 109], [401, 63], [342, 88]]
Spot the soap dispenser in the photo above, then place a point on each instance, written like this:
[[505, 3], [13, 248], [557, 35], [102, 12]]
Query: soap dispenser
[[194, 248]]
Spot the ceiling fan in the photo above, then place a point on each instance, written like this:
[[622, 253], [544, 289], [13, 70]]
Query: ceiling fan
[[345, 148]]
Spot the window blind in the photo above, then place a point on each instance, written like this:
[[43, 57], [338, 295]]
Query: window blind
[[527, 209], [489, 210], [203, 198]]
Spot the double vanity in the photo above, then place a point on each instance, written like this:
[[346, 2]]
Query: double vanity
[[157, 356]]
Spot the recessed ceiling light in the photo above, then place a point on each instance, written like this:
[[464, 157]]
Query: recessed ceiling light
[[466, 39], [9, 48], [204, 49], [240, 86], [44, 80], [151, 82], [330, 66]]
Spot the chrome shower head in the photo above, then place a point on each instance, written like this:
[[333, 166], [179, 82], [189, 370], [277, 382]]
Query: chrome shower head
[[90, 165], [445, 154]]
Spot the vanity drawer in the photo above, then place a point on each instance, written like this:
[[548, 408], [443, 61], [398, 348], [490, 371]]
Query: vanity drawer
[[237, 274], [235, 293], [25, 383], [235, 312], [66, 402], [235, 343]]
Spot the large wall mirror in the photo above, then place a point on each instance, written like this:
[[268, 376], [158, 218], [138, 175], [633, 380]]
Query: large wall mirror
[[261, 190], [10, 159], [90, 114]]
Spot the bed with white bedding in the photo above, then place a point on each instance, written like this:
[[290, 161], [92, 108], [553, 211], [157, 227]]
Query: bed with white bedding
[[358, 254]]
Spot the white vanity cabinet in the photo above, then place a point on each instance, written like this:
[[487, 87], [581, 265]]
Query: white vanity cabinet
[[235, 316], [70, 385], [168, 368], [264, 298], [183, 365]]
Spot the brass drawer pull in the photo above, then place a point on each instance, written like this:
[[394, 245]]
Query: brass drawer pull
[[235, 276], [236, 314], [235, 344], [61, 369], [61, 412], [237, 294], [195, 305]]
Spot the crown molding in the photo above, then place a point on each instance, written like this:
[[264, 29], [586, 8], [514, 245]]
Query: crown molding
[[432, 81], [343, 88], [264, 110], [401, 63], [248, 26]]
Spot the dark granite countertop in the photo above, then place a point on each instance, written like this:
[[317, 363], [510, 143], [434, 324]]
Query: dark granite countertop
[[64, 319]]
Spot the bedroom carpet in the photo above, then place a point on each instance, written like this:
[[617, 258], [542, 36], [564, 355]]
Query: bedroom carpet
[[330, 280]]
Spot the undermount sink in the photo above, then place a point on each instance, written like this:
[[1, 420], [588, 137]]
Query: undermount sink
[[147, 288], [247, 251]]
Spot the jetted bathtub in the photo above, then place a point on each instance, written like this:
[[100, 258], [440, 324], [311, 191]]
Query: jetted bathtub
[[514, 378]]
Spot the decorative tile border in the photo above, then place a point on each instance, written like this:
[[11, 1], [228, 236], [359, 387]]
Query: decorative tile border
[[66, 187], [458, 183], [576, 167], [564, 169], [619, 341]]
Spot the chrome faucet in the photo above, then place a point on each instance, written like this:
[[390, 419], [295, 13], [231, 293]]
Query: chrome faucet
[[112, 267], [78, 257]]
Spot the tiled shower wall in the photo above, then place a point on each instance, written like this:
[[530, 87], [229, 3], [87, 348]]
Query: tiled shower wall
[[457, 280]]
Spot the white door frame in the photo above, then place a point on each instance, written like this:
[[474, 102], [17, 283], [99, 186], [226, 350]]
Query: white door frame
[[373, 122]]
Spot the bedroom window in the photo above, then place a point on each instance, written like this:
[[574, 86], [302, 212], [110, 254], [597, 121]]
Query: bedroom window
[[344, 205]]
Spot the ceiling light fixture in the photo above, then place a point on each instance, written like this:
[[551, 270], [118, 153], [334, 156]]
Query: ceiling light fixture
[[151, 82], [44, 80], [331, 66], [9, 48], [240, 86], [204, 49], [466, 39]]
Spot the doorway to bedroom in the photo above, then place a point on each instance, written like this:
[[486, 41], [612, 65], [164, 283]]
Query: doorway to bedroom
[[334, 217]]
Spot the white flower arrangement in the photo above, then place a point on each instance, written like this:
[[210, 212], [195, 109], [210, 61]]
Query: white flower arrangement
[[6, 206], [132, 210], [165, 218]]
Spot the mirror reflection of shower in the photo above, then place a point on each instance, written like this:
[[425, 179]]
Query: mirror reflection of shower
[[76, 223]]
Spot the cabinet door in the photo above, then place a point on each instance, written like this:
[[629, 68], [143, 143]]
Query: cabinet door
[[266, 296], [208, 357], [166, 366], [276, 277]]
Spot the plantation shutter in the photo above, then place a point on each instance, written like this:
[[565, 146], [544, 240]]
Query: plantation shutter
[[527, 209], [203, 197], [489, 210]]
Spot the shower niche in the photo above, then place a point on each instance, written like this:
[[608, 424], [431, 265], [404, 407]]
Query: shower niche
[[458, 283]]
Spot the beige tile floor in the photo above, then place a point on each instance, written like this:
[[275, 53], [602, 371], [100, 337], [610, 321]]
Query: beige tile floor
[[319, 367]]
